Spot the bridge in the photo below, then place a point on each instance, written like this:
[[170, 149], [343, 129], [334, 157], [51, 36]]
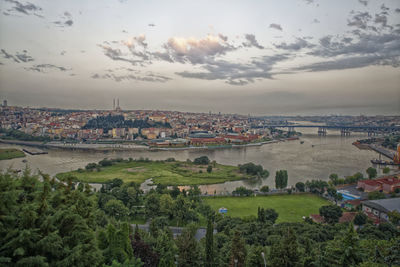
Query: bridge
[[344, 129]]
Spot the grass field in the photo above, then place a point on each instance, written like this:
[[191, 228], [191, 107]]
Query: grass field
[[167, 173], [291, 208], [10, 153]]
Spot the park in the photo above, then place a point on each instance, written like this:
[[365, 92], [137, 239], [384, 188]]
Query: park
[[291, 208]]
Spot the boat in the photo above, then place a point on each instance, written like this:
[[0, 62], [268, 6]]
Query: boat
[[301, 142], [383, 162]]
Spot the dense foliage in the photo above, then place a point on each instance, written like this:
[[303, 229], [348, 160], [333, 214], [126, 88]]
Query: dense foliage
[[118, 121], [44, 222], [252, 169]]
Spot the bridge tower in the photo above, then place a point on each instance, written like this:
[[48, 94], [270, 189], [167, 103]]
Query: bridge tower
[[344, 132], [321, 131]]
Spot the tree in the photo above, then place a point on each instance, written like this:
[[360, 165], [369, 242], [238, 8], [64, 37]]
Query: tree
[[267, 215], [285, 252], [334, 178], [166, 249], [203, 160], [166, 205], [281, 179], [238, 251], [386, 170], [188, 251], [116, 209], [360, 219], [394, 217], [371, 172], [264, 189], [300, 186], [152, 205], [209, 244], [209, 169], [331, 213], [343, 251], [376, 195], [242, 191], [254, 257], [144, 251]]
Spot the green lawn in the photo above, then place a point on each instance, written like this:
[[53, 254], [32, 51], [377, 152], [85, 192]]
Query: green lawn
[[10, 153], [291, 208], [167, 173]]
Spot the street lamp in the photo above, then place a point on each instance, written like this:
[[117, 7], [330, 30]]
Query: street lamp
[[263, 256]]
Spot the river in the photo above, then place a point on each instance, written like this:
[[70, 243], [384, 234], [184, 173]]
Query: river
[[316, 158]]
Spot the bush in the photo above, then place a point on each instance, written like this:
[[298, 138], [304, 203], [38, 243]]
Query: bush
[[264, 189], [242, 191], [209, 169], [105, 162], [203, 160]]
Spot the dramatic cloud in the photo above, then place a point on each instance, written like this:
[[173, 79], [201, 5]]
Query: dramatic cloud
[[26, 9], [251, 41], [192, 50], [18, 57], [275, 26], [363, 2], [44, 68], [397, 10], [299, 44], [237, 73]]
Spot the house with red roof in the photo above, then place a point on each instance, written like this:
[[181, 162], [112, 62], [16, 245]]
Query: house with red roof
[[387, 184]]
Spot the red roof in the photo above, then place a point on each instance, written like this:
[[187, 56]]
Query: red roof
[[346, 217], [370, 182], [389, 180]]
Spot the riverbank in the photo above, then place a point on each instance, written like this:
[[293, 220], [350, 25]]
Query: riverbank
[[129, 147], [11, 153]]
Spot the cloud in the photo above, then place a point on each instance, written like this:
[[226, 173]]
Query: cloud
[[350, 63], [363, 2], [9, 56], [151, 25], [359, 20], [26, 9], [315, 21], [237, 73], [44, 68], [251, 41], [146, 77], [66, 20], [192, 50], [397, 10], [18, 57], [299, 44], [309, 1], [275, 26]]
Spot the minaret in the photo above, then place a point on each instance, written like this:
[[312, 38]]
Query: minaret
[[114, 104], [118, 103]]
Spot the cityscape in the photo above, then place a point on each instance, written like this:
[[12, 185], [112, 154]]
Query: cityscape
[[200, 133]]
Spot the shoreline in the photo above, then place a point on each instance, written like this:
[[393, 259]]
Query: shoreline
[[131, 147]]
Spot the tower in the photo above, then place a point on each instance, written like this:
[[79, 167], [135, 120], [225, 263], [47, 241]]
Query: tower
[[118, 103], [5, 103], [114, 104]]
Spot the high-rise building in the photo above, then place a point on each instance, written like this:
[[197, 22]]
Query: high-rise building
[[113, 103], [4, 103]]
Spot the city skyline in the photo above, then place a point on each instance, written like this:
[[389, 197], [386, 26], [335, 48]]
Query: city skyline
[[308, 57]]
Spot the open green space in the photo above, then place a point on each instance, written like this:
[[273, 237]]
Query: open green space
[[11, 153], [167, 173], [291, 208]]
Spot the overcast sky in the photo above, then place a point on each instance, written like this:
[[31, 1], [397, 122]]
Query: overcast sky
[[312, 57]]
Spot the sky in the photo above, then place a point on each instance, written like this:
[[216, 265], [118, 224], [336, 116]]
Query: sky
[[291, 57]]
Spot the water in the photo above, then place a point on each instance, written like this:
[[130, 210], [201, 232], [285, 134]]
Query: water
[[316, 158]]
